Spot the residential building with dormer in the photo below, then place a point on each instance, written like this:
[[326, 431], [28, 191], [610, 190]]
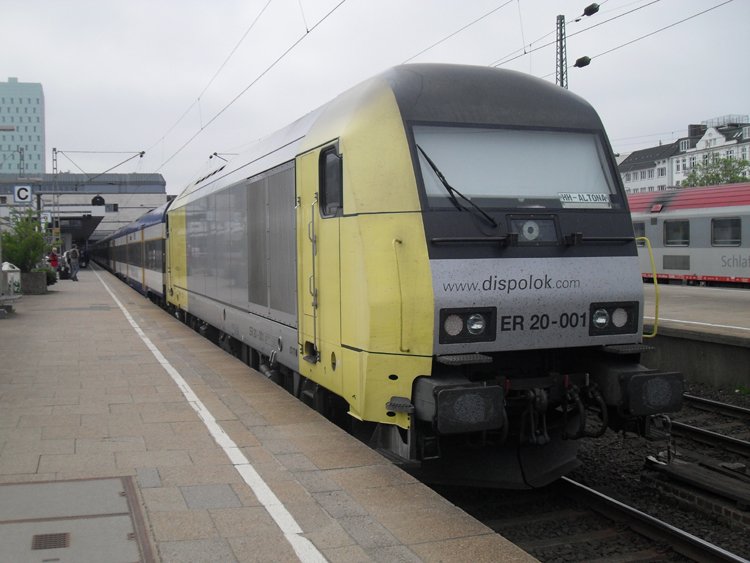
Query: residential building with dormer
[[666, 166]]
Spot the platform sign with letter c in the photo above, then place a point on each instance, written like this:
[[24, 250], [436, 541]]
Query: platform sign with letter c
[[22, 195]]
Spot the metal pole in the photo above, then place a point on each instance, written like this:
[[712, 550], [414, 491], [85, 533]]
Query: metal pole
[[561, 77]]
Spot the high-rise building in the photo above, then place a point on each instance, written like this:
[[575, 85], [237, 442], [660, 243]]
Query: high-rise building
[[21, 128]]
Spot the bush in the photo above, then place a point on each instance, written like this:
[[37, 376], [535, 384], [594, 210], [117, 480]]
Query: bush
[[24, 244], [51, 274]]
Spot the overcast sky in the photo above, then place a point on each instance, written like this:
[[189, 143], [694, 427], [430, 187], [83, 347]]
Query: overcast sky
[[147, 74]]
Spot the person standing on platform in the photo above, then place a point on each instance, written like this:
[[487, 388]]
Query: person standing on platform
[[53, 259], [73, 257]]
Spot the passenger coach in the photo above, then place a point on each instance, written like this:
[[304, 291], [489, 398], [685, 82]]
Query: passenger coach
[[698, 235], [136, 253]]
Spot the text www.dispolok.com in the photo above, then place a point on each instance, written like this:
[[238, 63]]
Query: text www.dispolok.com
[[509, 285]]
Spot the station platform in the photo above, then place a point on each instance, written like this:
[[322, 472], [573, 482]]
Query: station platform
[[703, 333], [707, 312], [126, 436]]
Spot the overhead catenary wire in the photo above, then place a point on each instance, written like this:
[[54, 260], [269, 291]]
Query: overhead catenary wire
[[65, 154], [444, 39], [505, 60], [673, 133], [662, 29], [308, 30], [97, 152], [480, 18], [520, 21], [89, 179], [138, 154], [255, 81], [522, 50], [304, 19], [215, 75], [652, 33], [72, 161]]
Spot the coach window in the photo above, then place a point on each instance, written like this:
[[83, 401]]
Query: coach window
[[726, 232], [640, 231], [331, 183], [676, 233]]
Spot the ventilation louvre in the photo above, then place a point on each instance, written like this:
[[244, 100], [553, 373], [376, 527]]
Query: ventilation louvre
[[50, 541]]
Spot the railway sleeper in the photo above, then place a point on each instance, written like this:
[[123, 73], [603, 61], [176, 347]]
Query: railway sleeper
[[706, 479]]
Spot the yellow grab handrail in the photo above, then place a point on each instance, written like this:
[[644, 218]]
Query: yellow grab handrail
[[656, 286]]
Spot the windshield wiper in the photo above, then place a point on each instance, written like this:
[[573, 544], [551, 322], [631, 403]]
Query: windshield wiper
[[453, 192]]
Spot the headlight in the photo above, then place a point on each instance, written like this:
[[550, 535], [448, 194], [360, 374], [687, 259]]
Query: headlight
[[453, 325], [600, 318], [476, 324], [619, 317], [614, 318]]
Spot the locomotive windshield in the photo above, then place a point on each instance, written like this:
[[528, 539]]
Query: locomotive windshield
[[515, 168]]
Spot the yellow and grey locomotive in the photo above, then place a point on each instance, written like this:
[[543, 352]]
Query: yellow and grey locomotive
[[445, 254]]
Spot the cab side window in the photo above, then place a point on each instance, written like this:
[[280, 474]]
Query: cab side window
[[331, 183]]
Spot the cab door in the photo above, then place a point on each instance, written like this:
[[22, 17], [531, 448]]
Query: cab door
[[319, 210]]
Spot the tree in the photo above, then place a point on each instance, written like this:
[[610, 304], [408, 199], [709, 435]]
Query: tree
[[23, 245], [717, 171]]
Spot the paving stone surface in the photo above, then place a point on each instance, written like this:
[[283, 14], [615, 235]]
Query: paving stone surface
[[81, 396]]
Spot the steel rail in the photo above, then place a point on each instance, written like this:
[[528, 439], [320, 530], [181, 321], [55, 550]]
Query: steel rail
[[716, 406], [682, 542], [710, 438]]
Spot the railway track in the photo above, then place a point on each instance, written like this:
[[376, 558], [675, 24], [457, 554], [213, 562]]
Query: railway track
[[710, 438], [721, 426], [718, 407], [705, 466], [569, 521], [658, 531], [579, 523]]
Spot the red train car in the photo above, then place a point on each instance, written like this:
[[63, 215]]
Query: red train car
[[699, 235]]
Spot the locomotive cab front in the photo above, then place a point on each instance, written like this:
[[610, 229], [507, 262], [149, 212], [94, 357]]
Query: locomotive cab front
[[537, 299]]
